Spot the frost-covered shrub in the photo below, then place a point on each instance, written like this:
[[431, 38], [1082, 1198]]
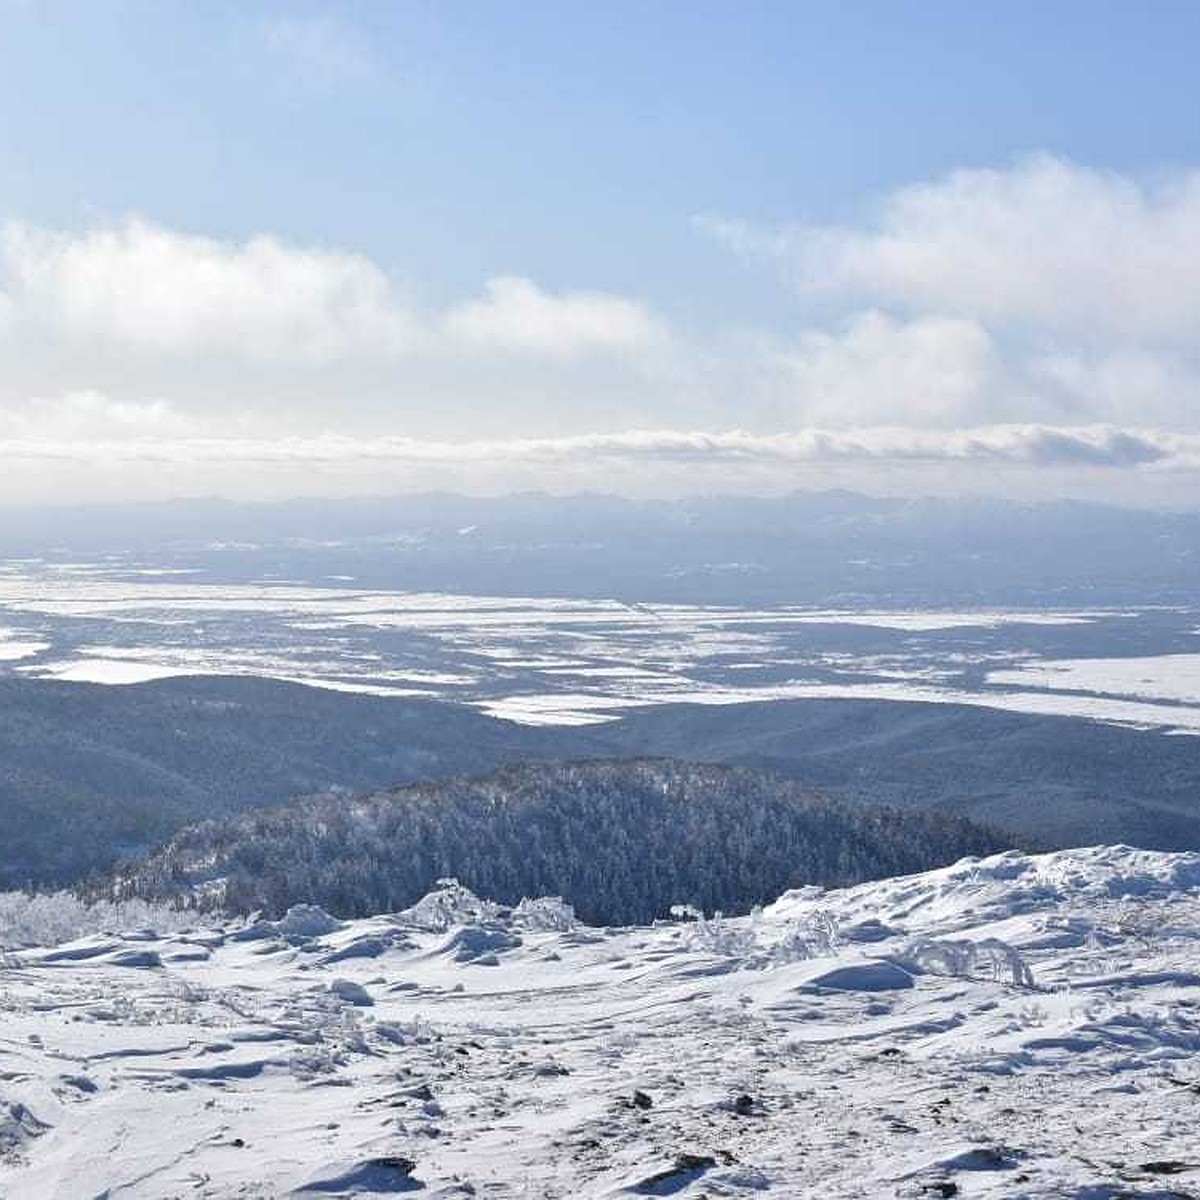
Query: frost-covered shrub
[[45, 919], [988, 958], [448, 905], [550, 914], [1032, 1016], [715, 935], [821, 929], [1146, 923], [815, 935], [312, 1062]]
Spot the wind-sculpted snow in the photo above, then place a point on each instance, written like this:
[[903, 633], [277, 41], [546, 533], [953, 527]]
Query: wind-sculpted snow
[[1014, 1026]]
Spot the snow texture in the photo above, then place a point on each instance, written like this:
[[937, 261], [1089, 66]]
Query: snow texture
[[1017, 1026]]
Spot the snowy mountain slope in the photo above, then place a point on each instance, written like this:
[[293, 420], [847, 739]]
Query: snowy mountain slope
[[1007, 1027]]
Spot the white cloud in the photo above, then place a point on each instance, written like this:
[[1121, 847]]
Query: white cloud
[[1027, 445], [934, 370], [1127, 384], [91, 415], [263, 337], [516, 314], [1040, 318], [1044, 244], [138, 289], [142, 289], [1043, 291]]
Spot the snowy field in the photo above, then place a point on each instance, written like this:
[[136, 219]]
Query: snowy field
[[1012, 1027], [578, 662]]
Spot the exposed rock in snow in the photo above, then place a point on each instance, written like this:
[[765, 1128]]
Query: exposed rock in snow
[[1010, 1027]]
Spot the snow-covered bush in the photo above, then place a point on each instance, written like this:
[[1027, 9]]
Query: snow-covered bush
[[549, 914], [821, 930], [987, 958], [448, 905], [45, 919], [417, 1031], [480, 944], [715, 935], [815, 935]]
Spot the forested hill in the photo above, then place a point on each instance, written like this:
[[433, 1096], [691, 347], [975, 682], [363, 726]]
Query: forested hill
[[622, 840], [91, 774]]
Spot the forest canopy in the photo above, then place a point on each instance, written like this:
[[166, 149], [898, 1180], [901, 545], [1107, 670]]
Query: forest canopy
[[622, 841]]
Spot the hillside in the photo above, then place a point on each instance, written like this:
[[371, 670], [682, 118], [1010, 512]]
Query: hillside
[[625, 840], [1060, 780], [1007, 1027], [90, 774]]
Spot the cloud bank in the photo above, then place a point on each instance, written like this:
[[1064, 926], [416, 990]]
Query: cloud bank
[[143, 290], [1043, 244], [1038, 317], [1057, 292], [1026, 445]]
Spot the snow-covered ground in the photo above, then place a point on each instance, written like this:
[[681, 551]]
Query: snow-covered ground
[[548, 661], [1011, 1027]]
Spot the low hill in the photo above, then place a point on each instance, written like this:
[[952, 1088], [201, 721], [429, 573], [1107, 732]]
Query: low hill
[[624, 839], [91, 774], [1063, 781]]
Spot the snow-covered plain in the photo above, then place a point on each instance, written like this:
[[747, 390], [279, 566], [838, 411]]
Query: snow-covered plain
[[1174, 677], [1011, 1027], [548, 661]]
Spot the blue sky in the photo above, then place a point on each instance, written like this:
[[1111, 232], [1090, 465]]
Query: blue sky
[[571, 142], [686, 194]]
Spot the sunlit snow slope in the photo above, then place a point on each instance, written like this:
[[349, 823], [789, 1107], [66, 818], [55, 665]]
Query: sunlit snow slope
[[1015, 1026]]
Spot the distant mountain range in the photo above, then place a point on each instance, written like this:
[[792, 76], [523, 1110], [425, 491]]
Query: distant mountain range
[[808, 547], [91, 774]]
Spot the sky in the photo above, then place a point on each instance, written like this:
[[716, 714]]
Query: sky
[[266, 249]]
